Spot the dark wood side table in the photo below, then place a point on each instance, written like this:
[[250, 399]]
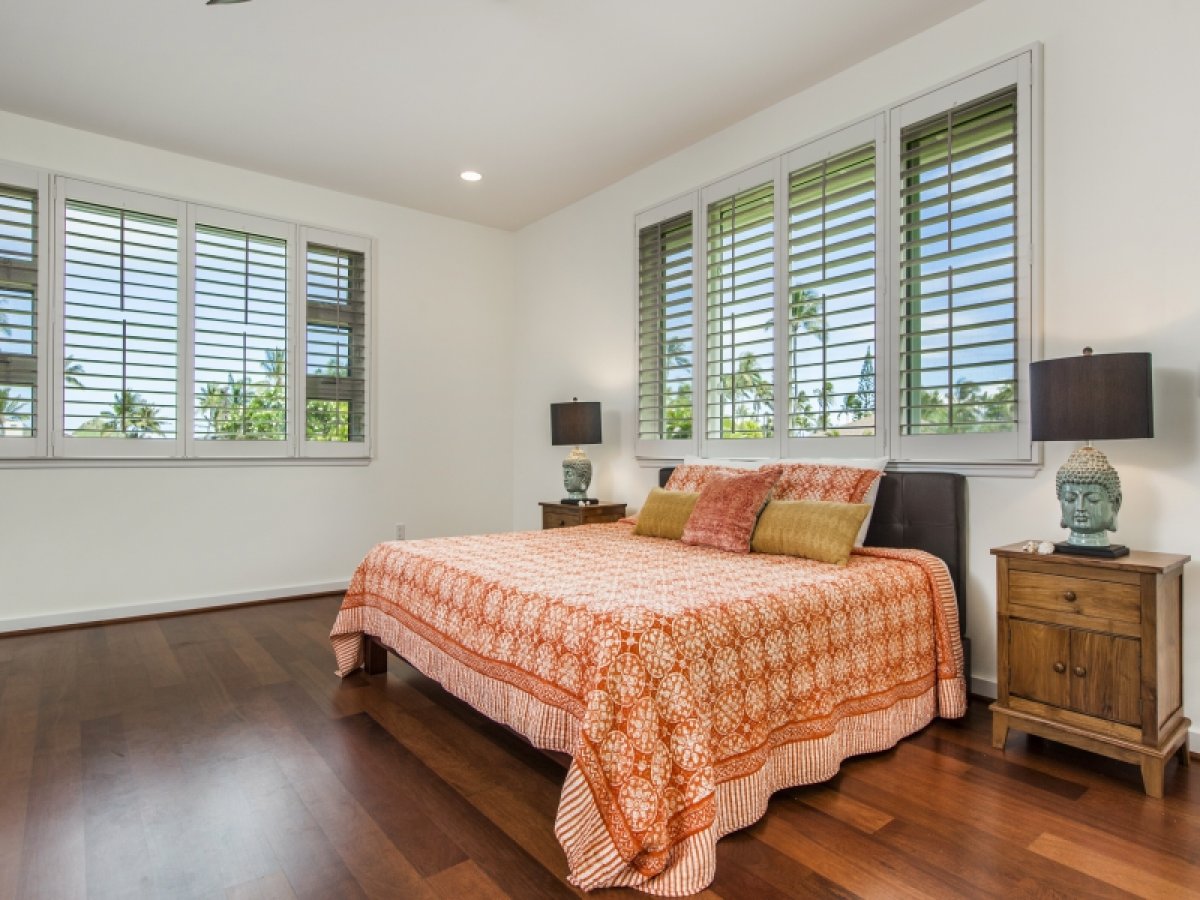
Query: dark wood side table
[[1090, 654], [564, 515]]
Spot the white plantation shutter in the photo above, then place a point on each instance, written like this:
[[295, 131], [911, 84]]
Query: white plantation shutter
[[962, 268], [959, 269], [119, 277], [20, 279], [740, 280], [336, 348], [240, 335], [666, 329], [832, 297]]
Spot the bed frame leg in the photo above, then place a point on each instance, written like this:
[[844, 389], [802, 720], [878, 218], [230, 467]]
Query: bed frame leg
[[374, 656]]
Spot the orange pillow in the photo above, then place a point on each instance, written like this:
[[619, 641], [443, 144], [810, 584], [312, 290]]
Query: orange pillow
[[692, 477], [727, 510], [830, 483]]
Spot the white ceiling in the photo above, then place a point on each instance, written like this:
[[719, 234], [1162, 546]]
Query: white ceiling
[[549, 99]]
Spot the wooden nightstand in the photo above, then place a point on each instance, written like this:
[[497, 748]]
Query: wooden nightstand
[[564, 515], [1090, 654]]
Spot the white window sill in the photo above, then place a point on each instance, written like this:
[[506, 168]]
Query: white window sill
[[190, 463]]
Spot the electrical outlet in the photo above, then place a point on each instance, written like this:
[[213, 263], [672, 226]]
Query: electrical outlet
[[399, 531]]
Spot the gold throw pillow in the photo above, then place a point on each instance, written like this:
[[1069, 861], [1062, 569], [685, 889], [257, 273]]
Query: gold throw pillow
[[813, 529], [665, 513]]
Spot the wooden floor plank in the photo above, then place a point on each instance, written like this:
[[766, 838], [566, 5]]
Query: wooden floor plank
[[1119, 863], [217, 755], [465, 880]]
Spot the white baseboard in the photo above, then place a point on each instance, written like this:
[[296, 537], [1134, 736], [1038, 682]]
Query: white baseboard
[[986, 687], [162, 607]]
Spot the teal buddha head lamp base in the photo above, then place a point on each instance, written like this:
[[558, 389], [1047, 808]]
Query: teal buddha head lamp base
[[1085, 398], [575, 423]]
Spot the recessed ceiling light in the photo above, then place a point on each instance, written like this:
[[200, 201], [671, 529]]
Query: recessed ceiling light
[[470, 176]]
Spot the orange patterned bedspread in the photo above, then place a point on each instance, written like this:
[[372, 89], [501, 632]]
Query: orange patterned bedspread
[[687, 684]]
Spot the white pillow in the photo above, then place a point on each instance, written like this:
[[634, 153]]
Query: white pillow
[[729, 463]]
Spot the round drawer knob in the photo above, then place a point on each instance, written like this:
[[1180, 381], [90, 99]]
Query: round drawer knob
[[1060, 667], [1069, 596], [1080, 671]]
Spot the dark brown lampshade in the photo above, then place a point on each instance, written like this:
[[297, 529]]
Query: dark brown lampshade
[[1092, 397], [575, 423]]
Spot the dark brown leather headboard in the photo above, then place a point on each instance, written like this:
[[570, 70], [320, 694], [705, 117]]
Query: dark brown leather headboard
[[924, 511]]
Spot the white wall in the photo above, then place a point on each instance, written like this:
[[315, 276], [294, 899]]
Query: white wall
[[1121, 205], [82, 543]]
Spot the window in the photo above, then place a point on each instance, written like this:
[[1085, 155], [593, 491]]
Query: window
[[833, 294], [241, 335], [739, 328], [868, 293], [182, 331], [962, 263], [335, 380], [666, 320], [120, 332], [20, 289]]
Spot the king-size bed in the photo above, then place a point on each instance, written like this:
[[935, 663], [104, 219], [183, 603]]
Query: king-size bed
[[686, 683]]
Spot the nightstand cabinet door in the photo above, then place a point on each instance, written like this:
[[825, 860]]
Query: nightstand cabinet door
[[1039, 662], [1104, 676]]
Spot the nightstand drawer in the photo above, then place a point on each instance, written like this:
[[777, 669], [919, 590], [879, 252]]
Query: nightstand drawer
[[1108, 600], [559, 519], [564, 515]]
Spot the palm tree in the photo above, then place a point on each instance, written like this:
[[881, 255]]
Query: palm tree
[[131, 415], [750, 394], [71, 373], [12, 412]]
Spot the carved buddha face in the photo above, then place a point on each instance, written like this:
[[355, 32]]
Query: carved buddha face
[[1088, 508]]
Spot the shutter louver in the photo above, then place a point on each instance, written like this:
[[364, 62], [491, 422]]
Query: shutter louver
[[120, 323], [831, 296], [240, 335], [666, 355], [19, 245], [740, 306], [336, 353], [958, 259]]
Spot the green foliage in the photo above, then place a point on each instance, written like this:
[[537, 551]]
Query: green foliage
[[974, 410], [328, 420], [248, 410], [679, 412], [13, 413], [130, 416]]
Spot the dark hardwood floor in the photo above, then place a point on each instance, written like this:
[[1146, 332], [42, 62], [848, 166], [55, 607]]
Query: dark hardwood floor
[[217, 755]]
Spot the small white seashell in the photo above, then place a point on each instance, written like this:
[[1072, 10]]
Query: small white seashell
[[1045, 547], [1029, 547]]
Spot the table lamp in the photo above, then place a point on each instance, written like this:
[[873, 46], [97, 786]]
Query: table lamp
[[575, 423], [1086, 398]]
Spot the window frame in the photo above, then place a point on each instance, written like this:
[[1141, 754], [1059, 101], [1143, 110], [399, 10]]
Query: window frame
[[999, 453], [870, 130], [339, 241], [38, 443], [262, 226], [710, 195], [63, 444], [666, 448], [1015, 445]]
